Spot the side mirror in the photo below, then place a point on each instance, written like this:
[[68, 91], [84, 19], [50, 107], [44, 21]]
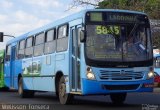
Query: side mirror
[[82, 36], [1, 36]]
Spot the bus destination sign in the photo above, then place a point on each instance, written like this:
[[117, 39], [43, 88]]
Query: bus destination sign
[[117, 17], [111, 17]]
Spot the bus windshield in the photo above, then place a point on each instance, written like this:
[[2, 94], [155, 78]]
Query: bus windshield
[[121, 38], [114, 42]]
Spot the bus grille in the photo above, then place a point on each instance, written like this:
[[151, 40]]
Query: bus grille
[[120, 75]]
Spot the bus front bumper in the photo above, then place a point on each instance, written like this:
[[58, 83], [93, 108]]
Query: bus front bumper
[[93, 87]]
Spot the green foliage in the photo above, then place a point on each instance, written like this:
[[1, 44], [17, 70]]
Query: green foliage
[[151, 7]]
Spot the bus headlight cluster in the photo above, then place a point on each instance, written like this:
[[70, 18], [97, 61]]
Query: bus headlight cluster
[[151, 73], [90, 74]]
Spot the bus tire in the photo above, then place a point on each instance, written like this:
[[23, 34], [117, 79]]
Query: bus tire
[[118, 98], [24, 93], [64, 97]]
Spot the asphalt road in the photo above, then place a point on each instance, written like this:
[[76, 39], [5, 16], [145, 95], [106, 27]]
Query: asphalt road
[[134, 101]]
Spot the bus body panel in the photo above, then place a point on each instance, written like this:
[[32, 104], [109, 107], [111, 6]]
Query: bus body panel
[[18, 71], [62, 61], [97, 87], [43, 83], [27, 73], [45, 74]]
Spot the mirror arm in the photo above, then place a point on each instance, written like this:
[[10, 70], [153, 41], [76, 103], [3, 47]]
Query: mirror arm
[[9, 36]]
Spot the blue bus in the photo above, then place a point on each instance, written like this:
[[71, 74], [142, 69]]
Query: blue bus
[[93, 52]]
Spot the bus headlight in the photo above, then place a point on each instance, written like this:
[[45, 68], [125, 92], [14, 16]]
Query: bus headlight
[[151, 73], [90, 74]]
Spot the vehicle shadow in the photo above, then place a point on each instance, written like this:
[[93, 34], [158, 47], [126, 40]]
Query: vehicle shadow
[[85, 103]]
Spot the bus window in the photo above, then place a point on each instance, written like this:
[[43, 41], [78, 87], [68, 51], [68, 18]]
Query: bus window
[[39, 42], [79, 30], [50, 42], [62, 41], [21, 49], [50, 35], [29, 47]]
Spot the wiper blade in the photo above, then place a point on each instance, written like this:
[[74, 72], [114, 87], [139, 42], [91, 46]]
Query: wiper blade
[[134, 28]]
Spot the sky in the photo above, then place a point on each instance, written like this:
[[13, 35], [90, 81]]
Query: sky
[[20, 16]]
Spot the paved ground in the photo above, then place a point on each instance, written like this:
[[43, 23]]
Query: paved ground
[[134, 101]]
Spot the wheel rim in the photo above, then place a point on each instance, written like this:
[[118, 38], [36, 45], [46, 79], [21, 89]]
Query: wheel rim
[[20, 88], [62, 90]]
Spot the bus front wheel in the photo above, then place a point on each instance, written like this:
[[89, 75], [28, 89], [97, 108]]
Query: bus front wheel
[[64, 98], [118, 98], [24, 93]]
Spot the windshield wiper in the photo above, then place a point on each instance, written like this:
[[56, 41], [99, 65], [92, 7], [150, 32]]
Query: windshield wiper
[[134, 28]]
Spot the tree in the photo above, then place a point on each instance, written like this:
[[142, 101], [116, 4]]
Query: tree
[[151, 7], [156, 39], [76, 3]]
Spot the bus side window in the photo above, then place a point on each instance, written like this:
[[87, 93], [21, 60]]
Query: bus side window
[[62, 41], [50, 44], [8, 52], [29, 47], [21, 49], [79, 30], [39, 44], [17, 45]]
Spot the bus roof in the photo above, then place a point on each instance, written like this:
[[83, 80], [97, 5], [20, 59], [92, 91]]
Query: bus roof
[[61, 21]]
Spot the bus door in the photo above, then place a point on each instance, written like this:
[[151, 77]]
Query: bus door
[[12, 65], [75, 64]]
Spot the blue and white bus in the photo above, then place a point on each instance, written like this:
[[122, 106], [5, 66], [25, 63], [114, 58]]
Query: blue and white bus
[[93, 52]]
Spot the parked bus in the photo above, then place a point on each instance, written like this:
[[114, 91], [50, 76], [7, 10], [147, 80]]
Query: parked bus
[[93, 52], [1, 69]]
